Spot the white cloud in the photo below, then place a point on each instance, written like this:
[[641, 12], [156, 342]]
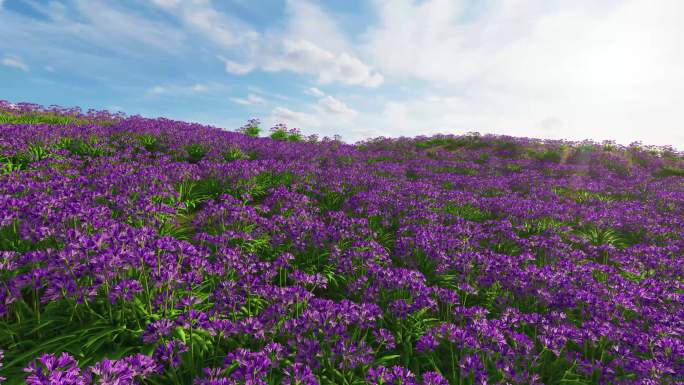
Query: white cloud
[[302, 56], [259, 90], [250, 100], [14, 62], [307, 21], [179, 89], [84, 27], [107, 23], [604, 70], [169, 4], [311, 43], [294, 118], [330, 105], [336, 115], [313, 91], [236, 68], [222, 28]]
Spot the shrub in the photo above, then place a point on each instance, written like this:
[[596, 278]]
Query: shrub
[[251, 128]]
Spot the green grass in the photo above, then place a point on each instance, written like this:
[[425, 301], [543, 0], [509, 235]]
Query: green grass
[[452, 143], [8, 118], [467, 212], [667, 171]]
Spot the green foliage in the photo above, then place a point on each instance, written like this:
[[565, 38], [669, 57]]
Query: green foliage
[[508, 149], [378, 159], [10, 164], [330, 200], [252, 131], [258, 186], [179, 227], [38, 152], [506, 246], [667, 171], [538, 226], [150, 143], [583, 195], [454, 143], [598, 236], [513, 168], [294, 137], [467, 212], [193, 193], [407, 332], [345, 160], [279, 135], [39, 118], [67, 326], [282, 134], [35, 152], [11, 240], [196, 152], [235, 153], [553, 156], [82, 147], [457, 170]]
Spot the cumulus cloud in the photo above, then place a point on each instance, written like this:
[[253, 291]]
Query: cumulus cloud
[[303, 56], [294, 118], [313, 91], [14, 62], [220, 27], [236, 68], [606, 70], [328, 116], [80, 27], [174, 89], [329, 104], [251, 99], [311, 44]]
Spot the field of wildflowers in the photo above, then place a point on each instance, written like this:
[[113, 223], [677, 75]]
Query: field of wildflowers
[[152, 251]]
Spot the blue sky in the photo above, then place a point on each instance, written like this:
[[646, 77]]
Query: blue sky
[[571, 69]]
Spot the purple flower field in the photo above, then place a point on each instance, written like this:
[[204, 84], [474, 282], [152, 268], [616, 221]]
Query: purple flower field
[[153, 251]]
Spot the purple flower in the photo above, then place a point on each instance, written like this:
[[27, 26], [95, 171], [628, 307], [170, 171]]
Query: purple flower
[[113, 372], [158, 329], [214, 376], [169, 352], [299, 374], [142, 365], [315, 280], [125, 290], [427, 343], [50, 369], [385, 338], [434, 378], [251, 367], [395, 375], [472, 363]]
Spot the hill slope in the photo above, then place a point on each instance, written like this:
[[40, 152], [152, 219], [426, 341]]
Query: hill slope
[[161, 252]]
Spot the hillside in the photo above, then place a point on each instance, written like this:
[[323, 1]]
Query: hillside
[[154, 251]]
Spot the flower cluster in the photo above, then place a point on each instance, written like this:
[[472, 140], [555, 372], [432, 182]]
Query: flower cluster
[[150, 251]]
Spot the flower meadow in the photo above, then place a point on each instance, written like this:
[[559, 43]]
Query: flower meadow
[[153, 251]]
